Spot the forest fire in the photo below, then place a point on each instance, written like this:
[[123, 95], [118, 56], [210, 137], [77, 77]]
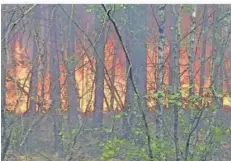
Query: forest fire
[[18, 84], [77, 78], [19, 76]]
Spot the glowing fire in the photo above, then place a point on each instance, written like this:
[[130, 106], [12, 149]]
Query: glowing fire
[[18, 81], [18, 77]]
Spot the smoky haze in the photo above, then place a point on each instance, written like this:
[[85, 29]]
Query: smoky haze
[[116, 82]]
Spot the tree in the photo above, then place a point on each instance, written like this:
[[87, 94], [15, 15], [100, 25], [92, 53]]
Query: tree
[[55, 84], [99, 75], [175, 76], [73, 97], [3, 83], [204, 44], [159, 107], [191, 50], [35, 65]]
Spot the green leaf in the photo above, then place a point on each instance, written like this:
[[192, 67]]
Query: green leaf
[[117, 116], [89, 10]]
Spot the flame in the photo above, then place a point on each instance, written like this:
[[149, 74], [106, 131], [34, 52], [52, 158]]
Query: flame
[[18, 78], [18, 83]]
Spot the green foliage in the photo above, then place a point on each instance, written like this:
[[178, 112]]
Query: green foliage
[[121, 148], [70, 62], [163, 149]]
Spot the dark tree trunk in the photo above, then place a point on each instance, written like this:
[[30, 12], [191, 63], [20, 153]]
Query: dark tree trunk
[[175, 80], [73, 98], [55, 84], [218, 57], [129, 100], [135, 38], [204, 47], [35, 65], [115, 56], [44, 62], [99, 75]]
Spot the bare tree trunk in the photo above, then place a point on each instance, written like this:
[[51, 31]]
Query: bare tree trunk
[[191, 68], [159, 107], [55, 85], [191, 50], [135, 44], [35, 65], [129, 100], [73, 98], [204, 43], [115, 56], [44, 61], [99, 75], [175, 78], [3, 80], [218, 57]]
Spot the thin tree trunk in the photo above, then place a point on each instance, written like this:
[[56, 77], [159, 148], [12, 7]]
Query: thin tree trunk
[[159, 107], [191, 50], [115, 56], [175, 78], [191, 68], [3, 77], [44, 63], [34, 78], [217, 59], [204, 44]]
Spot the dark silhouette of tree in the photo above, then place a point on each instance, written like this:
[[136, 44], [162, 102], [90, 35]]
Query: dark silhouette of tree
[[35, 63], [73, 97], [55, 83], [99, 75]]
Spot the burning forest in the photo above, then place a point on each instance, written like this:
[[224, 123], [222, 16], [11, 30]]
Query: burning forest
[[131, 69]]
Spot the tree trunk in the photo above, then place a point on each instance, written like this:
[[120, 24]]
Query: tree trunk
[[44, 61], [204, 47], [3, 77], [191, 51], [55, 85], [99, 75], [175, 78], [159, 107], [115, 56], [73, 98], [218, 58], [35, 65], [129, 100]]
